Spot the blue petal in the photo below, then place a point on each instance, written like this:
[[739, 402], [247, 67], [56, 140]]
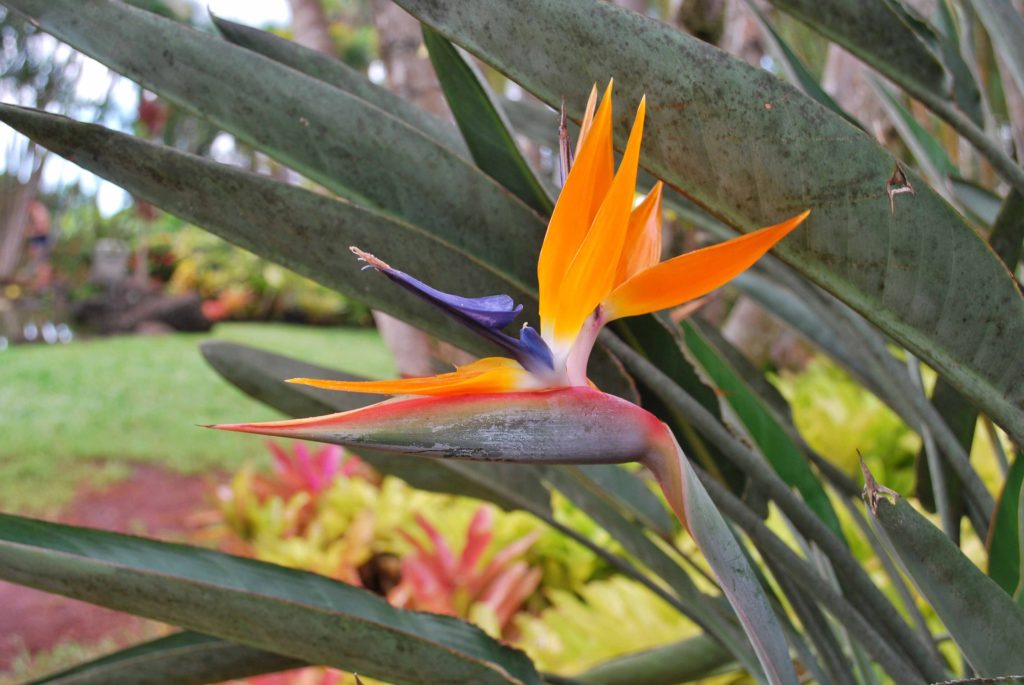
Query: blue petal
[[485, 315], [533, 346]]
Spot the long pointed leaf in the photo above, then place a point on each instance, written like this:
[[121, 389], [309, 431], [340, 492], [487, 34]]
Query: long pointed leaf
[[752, 149], [341, 76], [295, 613], [573, 483], [184, 658], [1004, 543], [726, 557], [483, 124], [983, 620], [692, 659]]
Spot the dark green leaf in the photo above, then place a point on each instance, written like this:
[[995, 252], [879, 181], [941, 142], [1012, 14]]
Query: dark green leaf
[[341, 76], [483, 124], [681, 662], [1007, 241], [752, 150], [182, 659], [1004, 543], [983, 620], [298, 614]]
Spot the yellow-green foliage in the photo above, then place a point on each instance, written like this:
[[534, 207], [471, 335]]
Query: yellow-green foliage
[[605, 619], [839, 418]]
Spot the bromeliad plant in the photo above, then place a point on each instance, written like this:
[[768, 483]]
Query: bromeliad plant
[[888, 259]]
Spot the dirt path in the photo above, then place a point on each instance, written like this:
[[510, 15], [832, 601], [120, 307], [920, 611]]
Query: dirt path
[[152, 502]]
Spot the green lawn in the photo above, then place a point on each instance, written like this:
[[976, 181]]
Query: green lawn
[[85, 409]]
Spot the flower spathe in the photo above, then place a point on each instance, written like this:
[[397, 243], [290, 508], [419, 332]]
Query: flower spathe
[[600, 261]]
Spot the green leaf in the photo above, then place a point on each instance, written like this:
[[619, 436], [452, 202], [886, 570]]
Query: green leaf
[[299, 229], [341, 76], [261, 374], [692, 659], [483, 124], [1004, 542], [752, 150], [325, 133], [184, 658], [760, 423], [982, 619], [298, 614], [1007, 241]]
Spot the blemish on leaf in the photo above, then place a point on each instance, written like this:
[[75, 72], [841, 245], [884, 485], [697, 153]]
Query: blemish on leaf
[[898, 183], [873, 490]]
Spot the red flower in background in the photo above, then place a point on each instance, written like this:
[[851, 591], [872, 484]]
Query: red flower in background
[[435, 580]]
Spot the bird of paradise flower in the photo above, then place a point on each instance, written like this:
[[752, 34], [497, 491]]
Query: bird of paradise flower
[[599, 262]]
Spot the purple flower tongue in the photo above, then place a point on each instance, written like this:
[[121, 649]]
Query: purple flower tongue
[[485, 315]]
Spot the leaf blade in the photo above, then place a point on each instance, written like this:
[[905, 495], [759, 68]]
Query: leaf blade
[[183, 658], [983, 620], [306, 616], [483, 124]]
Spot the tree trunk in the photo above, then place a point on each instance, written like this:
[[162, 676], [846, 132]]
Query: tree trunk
[[309, 24], [14, 223]]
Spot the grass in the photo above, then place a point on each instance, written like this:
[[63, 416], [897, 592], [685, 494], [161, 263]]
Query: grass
[[85, 409]]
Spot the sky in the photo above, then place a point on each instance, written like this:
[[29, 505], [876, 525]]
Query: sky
[[96, 79]]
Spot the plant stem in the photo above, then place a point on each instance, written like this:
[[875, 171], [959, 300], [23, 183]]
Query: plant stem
[[854, 579]]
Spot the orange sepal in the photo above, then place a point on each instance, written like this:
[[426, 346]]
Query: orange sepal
[[489, 375], [578, 203], [590, 276], [642, 248], [693, 274]]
